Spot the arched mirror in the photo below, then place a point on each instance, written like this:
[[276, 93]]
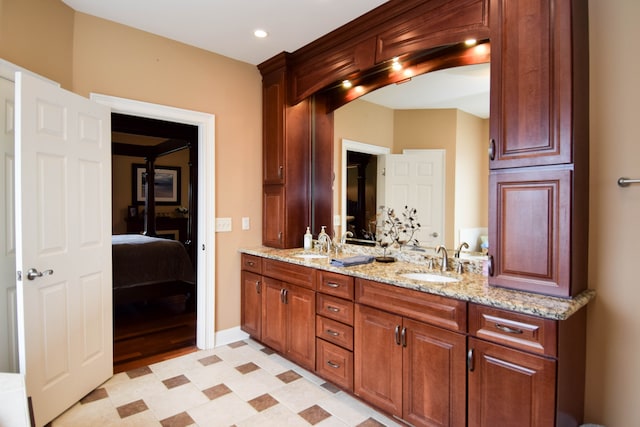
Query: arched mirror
[[443, 113]]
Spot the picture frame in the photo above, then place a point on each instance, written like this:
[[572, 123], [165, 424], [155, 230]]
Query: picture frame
[[167, 184]]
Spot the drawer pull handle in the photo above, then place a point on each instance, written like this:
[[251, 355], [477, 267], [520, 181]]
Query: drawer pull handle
[[508, 330], [403, 337], [332, 333], [333, 285], [257, 286], [332, 308], [333, 365], [397, 334], [251, 263], [470, 360]]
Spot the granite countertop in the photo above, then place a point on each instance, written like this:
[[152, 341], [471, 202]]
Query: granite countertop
[[472, 287]]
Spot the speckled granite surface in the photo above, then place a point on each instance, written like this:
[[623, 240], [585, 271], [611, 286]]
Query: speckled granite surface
[[472, 287]]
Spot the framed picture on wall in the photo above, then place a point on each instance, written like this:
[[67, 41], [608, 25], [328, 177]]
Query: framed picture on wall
[[167, 184]]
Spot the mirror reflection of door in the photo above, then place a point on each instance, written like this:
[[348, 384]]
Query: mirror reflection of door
[[361, 194]]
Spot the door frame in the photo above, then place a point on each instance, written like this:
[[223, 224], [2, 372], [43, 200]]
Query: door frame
[[206, 272]]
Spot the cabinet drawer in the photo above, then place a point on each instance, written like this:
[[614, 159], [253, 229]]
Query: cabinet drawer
[[335, 332], [252, 263], [290, 273], [521, 331], [335, 284], [433, 309], [335, 364], [335, 308]]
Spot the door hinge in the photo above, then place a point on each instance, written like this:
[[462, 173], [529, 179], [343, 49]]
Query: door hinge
[[19, 276]]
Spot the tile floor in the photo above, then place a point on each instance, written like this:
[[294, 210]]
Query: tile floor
[[241, 384]]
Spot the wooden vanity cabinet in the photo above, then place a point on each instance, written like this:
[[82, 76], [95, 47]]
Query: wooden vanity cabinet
[[278, 307], [538, 215], [286, 159], [402, 364], [334, 328], [524, 370], [251, 296]]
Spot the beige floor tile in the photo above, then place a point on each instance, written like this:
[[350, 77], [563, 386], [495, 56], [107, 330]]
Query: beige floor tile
[[224, 411], [175, 400], [276, 416], [299, 395]]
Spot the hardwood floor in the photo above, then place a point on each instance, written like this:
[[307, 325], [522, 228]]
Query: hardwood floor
[[145, 333]]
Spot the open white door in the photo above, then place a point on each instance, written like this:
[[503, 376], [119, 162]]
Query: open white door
[[415, 180], [63, 233], [8, 328]]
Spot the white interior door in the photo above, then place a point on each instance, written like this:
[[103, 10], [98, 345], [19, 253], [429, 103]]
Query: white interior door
[[415, 180], [8, 327], [63, 230]]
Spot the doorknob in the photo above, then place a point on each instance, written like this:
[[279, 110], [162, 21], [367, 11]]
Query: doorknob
[[434, 234], [34, 273]]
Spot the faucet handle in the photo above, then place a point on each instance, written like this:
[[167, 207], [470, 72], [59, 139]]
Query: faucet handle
[[429, 262]]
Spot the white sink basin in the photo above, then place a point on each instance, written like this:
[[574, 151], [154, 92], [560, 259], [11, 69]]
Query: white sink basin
[[428, 277], [310, 256]]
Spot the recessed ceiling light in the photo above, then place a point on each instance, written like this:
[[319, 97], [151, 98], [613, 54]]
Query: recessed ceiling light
[[260, 33]]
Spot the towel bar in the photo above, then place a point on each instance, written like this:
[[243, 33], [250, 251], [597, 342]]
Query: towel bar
[[625, 182]]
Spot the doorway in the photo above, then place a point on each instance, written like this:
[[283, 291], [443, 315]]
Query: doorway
[[156, 324], [204, 246]]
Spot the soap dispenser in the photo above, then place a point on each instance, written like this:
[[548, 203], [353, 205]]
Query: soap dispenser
[[308, 240]]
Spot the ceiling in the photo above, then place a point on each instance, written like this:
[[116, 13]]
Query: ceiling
[[226, 27]]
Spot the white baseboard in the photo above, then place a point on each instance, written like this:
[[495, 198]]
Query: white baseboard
[[230, 335]]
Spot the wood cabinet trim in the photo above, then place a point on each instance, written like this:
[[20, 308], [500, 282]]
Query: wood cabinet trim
[[433, 309], [290, 273], [521, 331]]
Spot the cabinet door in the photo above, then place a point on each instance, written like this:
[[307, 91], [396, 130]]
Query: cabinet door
[[273, 216], [378, 359], [509, 388], [530, 229], [531, 82], [251, 304], [301, 325], [434, 375], [273, 110], [274, 320]]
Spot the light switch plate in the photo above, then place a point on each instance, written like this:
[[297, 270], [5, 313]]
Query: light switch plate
[[223, 224], [246, 224]]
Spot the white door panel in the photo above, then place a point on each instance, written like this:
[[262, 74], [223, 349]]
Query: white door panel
[[63, 224], [8, 327], [415, 180]]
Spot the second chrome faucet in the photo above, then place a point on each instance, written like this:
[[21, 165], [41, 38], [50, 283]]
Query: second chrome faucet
[[444, 264]]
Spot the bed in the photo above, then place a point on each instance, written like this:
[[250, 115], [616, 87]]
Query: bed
[[147, 267]]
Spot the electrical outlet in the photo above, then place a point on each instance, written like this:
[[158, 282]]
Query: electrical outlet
[[246, 224], [223, 224]]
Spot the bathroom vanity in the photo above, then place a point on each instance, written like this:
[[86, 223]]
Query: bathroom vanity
[[450, 352]]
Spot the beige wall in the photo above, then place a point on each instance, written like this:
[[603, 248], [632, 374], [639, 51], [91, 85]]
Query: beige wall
[[358, 121], [115, 60], [613, 342], [170, 73], [38, 36]]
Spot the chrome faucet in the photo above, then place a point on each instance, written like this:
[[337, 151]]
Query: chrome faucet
[[444, 265], [344, 237], [463, 245]]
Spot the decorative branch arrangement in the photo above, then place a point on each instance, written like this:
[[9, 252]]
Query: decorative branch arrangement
[[396, 230]]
